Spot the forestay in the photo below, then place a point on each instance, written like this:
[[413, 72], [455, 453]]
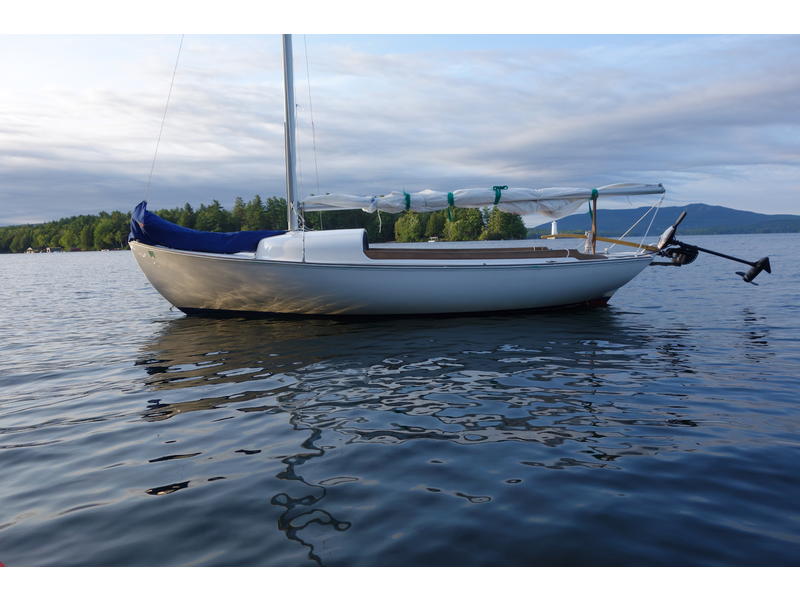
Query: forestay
[[538, 205]]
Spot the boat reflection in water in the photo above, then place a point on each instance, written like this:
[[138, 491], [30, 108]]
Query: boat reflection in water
[[349, 420]]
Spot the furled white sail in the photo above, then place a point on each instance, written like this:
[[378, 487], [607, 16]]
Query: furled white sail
[[538, 205]]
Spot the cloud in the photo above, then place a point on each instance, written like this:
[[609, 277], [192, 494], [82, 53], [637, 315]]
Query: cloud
[[713, 118]]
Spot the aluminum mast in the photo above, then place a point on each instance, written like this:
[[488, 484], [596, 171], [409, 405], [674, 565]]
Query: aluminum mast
[[289, 129]]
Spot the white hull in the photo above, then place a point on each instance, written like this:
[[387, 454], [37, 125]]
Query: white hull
[[196, 282]]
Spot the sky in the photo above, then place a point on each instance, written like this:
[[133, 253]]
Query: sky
[[714, 118]]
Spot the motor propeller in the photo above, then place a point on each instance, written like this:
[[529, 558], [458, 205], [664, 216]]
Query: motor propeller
[[681, 253], [762, 264]]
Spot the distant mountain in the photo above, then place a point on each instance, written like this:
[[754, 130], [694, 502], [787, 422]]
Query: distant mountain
[[701, 219]]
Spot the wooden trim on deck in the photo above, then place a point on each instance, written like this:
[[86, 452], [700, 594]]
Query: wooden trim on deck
[[475, 253]]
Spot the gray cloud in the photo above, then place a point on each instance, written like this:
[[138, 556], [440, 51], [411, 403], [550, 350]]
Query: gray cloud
[[713, 118]]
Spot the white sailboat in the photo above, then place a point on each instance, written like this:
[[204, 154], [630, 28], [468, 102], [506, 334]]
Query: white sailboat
[[338, 273]]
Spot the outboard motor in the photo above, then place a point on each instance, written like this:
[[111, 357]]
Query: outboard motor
[[681, 253]]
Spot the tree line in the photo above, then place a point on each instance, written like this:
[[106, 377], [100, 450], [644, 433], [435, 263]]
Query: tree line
[[109, 231]]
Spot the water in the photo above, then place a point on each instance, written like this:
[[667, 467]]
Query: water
[[662, 430]]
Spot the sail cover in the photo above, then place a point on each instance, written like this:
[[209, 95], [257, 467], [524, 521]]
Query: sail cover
[[151, 229], [538, 205]]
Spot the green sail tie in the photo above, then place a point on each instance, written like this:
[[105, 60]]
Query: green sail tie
[[451, 204], [408, 200], [594, 197], [497, 189]]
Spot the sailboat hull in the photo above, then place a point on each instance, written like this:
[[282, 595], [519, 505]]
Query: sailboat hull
[[199, 282]]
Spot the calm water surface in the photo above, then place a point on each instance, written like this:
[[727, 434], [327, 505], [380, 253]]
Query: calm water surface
[[662, 430]]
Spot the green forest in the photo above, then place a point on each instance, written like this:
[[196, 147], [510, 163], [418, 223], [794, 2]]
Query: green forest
[[109, 231]]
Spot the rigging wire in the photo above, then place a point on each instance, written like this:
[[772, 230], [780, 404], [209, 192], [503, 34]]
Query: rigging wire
[[311, 112], [655, 206], [313, 127], [163, 119], [301, 180], [658, 206]]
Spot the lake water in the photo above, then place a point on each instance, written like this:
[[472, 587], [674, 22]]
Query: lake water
[[661, 430]]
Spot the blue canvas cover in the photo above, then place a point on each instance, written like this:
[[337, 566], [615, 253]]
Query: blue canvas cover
[[151, 229]]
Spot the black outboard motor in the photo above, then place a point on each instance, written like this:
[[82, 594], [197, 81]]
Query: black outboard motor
[[682, 253]]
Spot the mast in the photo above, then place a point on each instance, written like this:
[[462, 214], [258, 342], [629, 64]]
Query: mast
[[289, 129], [594, 221]]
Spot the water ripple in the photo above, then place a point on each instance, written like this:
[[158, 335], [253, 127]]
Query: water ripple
[[662, 431]]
